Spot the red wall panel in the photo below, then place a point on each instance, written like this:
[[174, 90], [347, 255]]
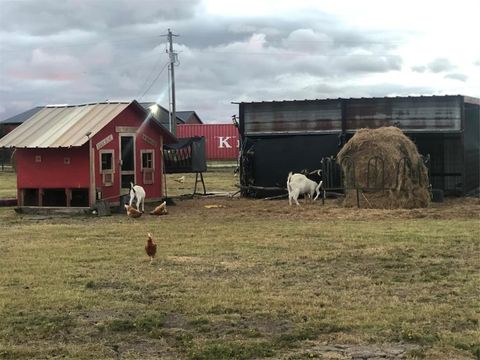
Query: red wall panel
[[222, 140], [52, 171]]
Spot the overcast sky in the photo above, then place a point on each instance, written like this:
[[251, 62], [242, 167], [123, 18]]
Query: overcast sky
[[79, 51]]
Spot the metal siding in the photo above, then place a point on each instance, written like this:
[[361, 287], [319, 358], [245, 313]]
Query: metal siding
[[301, 117], [412, 114], [453, 163], [471, 148], [275, 156], [221, 139]]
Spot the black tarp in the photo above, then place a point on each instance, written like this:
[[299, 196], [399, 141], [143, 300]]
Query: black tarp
[[185, 156]]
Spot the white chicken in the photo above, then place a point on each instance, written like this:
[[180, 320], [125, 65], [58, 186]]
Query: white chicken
[[181, 179]]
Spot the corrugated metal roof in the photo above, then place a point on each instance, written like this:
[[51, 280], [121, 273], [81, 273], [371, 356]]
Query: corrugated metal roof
[[410, 113], [468, 99], [20, 118], [184, 115], [63, 126]]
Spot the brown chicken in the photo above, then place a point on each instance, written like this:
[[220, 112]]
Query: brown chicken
[[160, 209], [132, 212], [151, 247]]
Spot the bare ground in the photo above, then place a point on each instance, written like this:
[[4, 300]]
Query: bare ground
[[451, 208]]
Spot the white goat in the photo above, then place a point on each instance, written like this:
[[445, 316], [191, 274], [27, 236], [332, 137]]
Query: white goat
[[137, 193], [298, 184]]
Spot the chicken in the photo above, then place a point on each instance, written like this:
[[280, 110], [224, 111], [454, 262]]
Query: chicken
[[181, 179], [132, 212], [160, 209], [151, 247]]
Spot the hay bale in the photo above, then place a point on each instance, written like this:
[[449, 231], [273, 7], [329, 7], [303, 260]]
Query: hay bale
[[386, 167]]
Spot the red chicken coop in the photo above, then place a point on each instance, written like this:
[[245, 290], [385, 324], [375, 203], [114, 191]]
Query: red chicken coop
[[72, 156]]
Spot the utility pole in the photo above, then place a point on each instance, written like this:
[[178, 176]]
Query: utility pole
[[173, 59]]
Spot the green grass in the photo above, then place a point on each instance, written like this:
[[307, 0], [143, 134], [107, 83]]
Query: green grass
[[252, 279], [218, 178], [8, 184]]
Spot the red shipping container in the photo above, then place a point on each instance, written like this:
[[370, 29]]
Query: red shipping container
[[222, 140]]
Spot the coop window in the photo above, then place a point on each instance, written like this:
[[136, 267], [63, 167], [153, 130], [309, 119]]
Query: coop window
[[66, 161], [147, 159], [107, 167], [38, 158], [147, 166]]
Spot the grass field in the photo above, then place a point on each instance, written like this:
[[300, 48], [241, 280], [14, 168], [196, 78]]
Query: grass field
[[8, 184], [243, 279]]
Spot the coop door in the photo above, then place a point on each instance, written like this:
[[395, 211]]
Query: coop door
[[127, 160]]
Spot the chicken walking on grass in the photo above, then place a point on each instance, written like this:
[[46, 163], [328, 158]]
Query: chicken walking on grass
[[160, 209], [181, 179], [132, 212], [150, 248]]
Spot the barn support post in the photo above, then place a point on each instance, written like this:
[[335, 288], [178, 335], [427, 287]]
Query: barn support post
[[20, 197], [91, 193], [68, 197]]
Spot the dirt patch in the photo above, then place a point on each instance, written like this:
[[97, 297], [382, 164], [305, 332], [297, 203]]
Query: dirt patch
[[357, 352], [451, 208]]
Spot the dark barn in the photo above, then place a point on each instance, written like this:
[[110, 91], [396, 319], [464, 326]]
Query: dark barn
[[282, 136]]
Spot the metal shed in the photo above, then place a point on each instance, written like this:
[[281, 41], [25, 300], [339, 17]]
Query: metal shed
[[282, 136]]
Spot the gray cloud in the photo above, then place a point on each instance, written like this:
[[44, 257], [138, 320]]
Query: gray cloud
[[78, 51], [457, 76], [440, 65], [419, 68], [50, 16], [369, 63]]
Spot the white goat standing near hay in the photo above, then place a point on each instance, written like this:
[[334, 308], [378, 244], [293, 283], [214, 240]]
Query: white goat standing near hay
[[299, 184]]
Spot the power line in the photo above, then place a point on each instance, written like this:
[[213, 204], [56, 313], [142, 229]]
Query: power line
[[151, 72], [154, 80]]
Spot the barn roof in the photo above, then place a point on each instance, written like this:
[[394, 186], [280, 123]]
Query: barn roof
[[466, 99], [185, 116], [162, 115], [20, 118], [67, 125]]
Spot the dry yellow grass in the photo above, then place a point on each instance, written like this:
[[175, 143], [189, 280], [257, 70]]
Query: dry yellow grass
[[8, 184], [246, 279]]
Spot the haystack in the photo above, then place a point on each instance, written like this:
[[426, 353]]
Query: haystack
[[386, 168]]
